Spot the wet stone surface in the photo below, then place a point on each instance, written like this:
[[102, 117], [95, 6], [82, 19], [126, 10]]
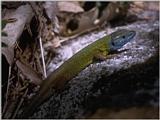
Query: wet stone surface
[[127, 79]]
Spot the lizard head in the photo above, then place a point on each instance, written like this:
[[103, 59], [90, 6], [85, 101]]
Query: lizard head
[[120, 38]]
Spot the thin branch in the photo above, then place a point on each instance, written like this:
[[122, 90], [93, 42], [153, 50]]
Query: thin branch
[[9, 74], [42, 54], [15, 113]]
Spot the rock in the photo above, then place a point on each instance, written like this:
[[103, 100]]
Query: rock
[[131, 113], [128, 79]]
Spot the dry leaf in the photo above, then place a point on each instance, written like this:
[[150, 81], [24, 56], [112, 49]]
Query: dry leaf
[[152, 5], [145, 10], [8, 52], [29, 72], [51, 9], [85, 22], [23, 14], [112, 11], [70, 7]]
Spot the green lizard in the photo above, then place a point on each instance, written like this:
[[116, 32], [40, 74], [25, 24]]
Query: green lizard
[[77, 63]]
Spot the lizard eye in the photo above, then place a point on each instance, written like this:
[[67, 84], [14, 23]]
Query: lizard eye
[[123, 37], [113, 43]]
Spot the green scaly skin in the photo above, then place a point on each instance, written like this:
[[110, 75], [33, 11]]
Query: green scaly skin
[[77, 63]]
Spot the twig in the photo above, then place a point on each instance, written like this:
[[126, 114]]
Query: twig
[[38, 10], [18, 47], [42, 54], [39, 66], [5, 106], [15, 113]]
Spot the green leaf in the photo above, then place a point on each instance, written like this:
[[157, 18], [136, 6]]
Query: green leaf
[[4, 23]]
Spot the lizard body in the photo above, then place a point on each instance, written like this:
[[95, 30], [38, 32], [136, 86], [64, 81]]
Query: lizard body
[[77, 63]]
